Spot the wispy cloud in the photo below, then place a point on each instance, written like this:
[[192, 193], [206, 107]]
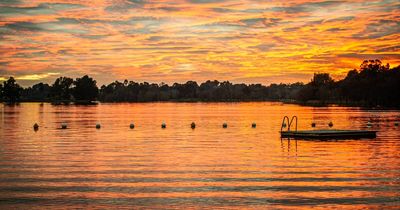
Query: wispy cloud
[[41, 9]]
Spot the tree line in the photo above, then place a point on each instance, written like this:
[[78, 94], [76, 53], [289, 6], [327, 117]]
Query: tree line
[[373, 84]]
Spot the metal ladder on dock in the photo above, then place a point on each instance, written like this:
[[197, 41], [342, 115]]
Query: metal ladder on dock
[[289, 123]]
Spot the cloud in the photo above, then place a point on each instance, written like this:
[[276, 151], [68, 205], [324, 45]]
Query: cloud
[[214, 28], [264, 47], [340, 19], [41, 9], [205, 1], [26, 75], [361, 56], [35, 77], [379, 29], [166, 40], [307, 6], [395, 48], [253, 21], [155, 38], [10, 2], [57, 26], [223, 10], [336, 29], [125, 6]]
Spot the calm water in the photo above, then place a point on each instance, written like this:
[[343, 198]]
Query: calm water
[[208, 167]]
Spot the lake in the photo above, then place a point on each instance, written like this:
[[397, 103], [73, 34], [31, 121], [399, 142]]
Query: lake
[[209, 167]]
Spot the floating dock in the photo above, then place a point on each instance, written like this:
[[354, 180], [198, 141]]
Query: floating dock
[[321, 134], [328, 134]]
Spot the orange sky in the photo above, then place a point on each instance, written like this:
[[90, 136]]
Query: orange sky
[[249, 41]]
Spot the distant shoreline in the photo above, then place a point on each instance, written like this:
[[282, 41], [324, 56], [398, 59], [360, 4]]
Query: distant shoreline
[[373, 86]]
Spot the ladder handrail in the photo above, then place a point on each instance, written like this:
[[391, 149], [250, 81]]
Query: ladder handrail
[[283, 122], [289, 122]]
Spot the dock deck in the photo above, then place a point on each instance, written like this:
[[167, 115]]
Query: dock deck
[[328, 134]]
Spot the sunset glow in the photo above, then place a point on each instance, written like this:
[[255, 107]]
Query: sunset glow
[[175, 40]]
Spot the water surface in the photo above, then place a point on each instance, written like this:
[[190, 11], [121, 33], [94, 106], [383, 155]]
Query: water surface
[[208, 167]]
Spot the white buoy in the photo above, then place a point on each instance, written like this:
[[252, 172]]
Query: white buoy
[[132, 126], [369, 124], [163, 125], [193, 125], [330, 124], [313, 124], [64, 126], [225, 125], [98, 126], [253, 125], [35, 127]]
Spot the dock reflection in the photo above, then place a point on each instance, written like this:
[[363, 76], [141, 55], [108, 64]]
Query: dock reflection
[[289, 145]]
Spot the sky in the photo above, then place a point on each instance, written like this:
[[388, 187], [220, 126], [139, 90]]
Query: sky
[[249, 41]]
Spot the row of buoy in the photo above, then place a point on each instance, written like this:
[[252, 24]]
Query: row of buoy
[[313, 124], [193, 125], [132, 126], [330, 124]]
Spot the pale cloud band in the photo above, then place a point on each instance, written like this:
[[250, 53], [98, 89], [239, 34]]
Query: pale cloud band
[[175, 41]]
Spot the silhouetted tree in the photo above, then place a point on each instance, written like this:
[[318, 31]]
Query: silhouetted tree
[[1, 92], [187, 90], [373, 67], [61, 89], [11, 90], [373, 84], [85, 88], [207, 90], [320, 88], [38, 92]]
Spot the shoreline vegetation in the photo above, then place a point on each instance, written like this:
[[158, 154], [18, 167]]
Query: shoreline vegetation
[[372, 85]]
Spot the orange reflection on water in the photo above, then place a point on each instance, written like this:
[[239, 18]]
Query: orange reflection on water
[[180, 167]]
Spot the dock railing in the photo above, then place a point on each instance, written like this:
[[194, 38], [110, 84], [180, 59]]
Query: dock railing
[[289, 123]]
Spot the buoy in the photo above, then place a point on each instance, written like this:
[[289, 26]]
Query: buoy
[[63, 125], [35, 127], [369, 124], [313, 124], [253, 125], [396, 123], [284, 125], [98, 126], [132, 126], [224, 125], [330, 124], [163, 125], [193, 125]]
